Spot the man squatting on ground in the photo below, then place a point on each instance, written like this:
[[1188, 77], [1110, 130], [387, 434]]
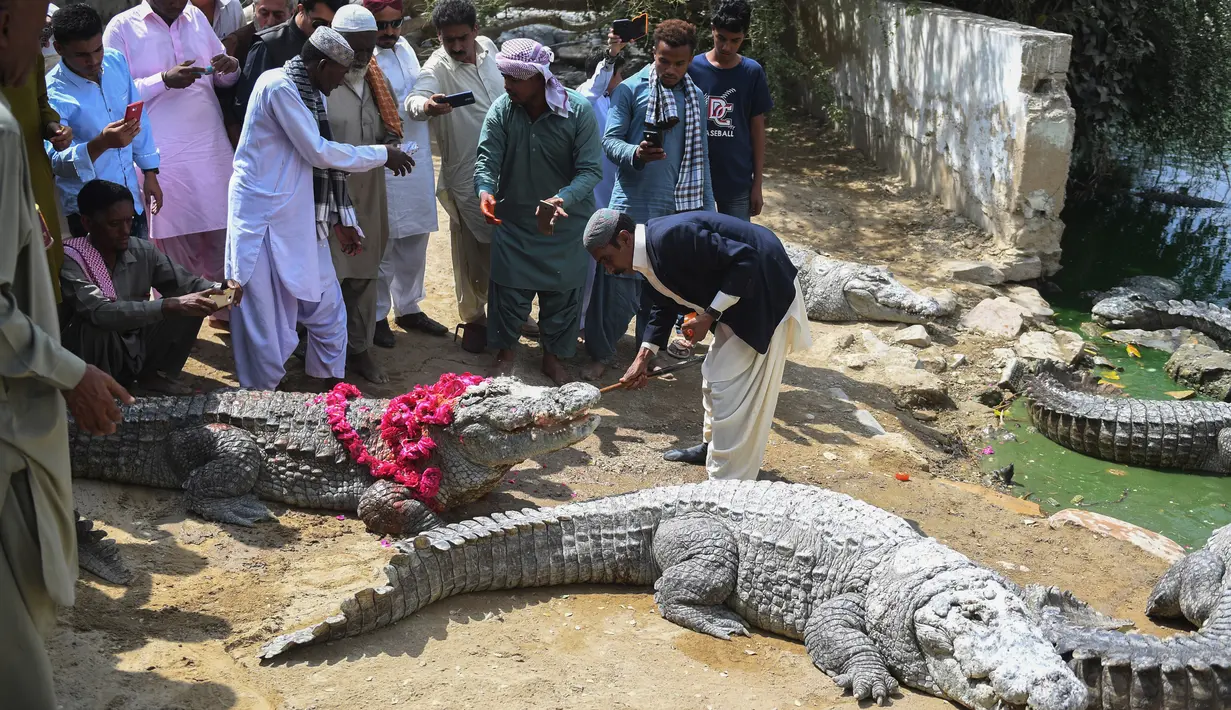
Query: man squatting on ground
[[537, 166], [283, 206], [38, 542], [753, 304], [106, 281]]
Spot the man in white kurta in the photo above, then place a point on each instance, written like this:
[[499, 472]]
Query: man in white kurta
[[753, 304], [466, 61], [412, 207], [275, 247]]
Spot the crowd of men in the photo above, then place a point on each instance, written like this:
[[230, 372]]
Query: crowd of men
[[272, 172]]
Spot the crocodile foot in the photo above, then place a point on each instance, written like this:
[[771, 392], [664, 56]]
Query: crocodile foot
[[387, 508], [717, 620], [98, 554], [245, 510], [868, 681]]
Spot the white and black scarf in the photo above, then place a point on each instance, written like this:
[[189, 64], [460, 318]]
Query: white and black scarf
[[328, 185]]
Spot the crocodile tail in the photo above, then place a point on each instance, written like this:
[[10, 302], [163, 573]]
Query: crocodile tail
[[1144, 672], [605, 541]]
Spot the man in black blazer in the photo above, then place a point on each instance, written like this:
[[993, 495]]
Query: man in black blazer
[[737, 278]]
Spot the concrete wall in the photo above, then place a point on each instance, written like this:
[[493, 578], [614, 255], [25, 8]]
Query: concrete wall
[[968, 108]]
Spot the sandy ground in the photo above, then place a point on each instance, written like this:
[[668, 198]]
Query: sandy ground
[[205, 596]]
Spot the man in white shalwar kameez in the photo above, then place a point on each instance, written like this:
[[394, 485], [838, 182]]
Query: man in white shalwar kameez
[[753, 304], [412, 198], [281, 212]]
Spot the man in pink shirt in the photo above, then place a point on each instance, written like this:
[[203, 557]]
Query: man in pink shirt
[[177, 61]]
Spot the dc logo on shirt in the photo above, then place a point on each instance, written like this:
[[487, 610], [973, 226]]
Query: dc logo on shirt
[[720, 109]]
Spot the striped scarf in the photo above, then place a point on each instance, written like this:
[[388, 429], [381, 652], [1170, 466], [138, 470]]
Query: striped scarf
[[660, 106], [383, 97], [80, 250], [328, 185]]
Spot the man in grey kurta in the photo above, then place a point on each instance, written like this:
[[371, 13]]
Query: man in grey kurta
[[38, 554], [355, 118], [538, 162], [106, 280]]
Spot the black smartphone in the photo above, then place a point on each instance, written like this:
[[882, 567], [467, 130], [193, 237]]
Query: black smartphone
[[464, 98], [634, 29], [653, 137]]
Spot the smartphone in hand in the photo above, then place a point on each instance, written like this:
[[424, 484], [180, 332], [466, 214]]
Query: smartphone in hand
[[631, 30], [224, 299], [133, 112], [464, 98], [653, 137]]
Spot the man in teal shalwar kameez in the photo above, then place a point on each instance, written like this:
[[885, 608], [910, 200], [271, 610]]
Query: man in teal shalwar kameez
[[540, 156]]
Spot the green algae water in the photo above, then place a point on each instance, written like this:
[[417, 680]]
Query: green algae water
[[1185, 507]]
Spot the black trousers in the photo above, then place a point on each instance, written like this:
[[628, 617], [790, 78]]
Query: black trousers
[[127, 355]]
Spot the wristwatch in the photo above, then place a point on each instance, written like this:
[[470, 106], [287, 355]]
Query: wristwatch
[[715, 314]]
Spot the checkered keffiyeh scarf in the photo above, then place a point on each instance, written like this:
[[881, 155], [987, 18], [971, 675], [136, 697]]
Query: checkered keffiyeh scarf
[[522, 59], [328, 185], [80, 250], [660, 110]]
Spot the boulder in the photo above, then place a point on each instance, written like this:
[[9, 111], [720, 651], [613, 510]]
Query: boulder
[[1166, 340], [1204, 369], [1037, 345], [1023, 268], [1030, 299], [915, 335], [1154, 288], [932, 360], [916, 389], [1071, 345], [1148, 540], [979, 272], [996, 316]]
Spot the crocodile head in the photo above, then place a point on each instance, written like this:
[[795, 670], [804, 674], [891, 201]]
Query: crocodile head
[[1132, 311], [876, 295], [956, 629], [504, 421]]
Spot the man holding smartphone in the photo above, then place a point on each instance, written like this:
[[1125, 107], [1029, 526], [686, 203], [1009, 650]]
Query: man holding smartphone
[[465, 62], [92, 89]]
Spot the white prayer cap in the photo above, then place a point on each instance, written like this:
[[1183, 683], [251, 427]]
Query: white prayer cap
[[333, 45], [353, 18], [51, 9]]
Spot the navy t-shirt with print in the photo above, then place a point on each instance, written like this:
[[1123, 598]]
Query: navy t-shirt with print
[[732, 97]]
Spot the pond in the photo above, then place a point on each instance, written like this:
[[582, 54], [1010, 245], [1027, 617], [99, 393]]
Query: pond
[[1106, 239]]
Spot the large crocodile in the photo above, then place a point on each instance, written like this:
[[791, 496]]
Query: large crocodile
[[1194, 436], [232, 449], [1193, 588], [846, 291], [875, 602], [1135, 311]]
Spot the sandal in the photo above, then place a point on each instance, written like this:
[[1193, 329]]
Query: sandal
[[474, 337]]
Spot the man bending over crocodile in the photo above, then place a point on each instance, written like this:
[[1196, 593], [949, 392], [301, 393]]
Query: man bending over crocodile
[[737, 278]]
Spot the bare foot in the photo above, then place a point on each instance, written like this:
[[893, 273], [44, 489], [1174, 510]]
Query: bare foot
[[553, 368], [366, 366], [158, 384], [504, 363], [593, 371]]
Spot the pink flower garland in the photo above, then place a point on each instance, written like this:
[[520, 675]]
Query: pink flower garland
[[402, 428]]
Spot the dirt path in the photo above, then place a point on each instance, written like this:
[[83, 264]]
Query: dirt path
[[205, 596]]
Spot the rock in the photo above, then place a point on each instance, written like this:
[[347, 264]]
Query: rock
[[1000, 356], [1024, 268], [990, 397], [1071, 345], [1202, 368], [915, 335], [1166, 340], [865, 418], [916, 389], [1030, 299], [923, 415], [1148, 540], [1091, 329], [1154, 288], [932, 360], [996, 316], [1037, 345], [958, 360], [979, 272], [843, 341]]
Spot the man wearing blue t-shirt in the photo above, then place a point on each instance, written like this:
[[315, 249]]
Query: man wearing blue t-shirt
[[737, 99]]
